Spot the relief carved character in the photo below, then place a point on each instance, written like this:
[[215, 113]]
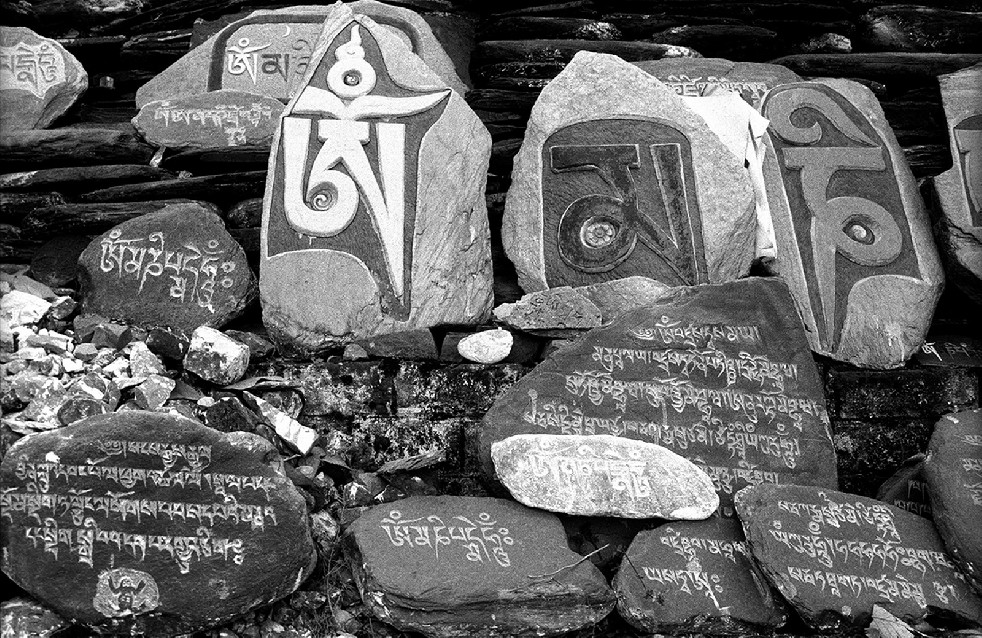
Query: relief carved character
[[968, 142]]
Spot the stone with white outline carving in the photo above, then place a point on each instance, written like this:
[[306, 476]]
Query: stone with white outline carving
[[269, 52], [39, 79], [618, 177], [959, 189], [695, 77], [374, 219], [853, 236]]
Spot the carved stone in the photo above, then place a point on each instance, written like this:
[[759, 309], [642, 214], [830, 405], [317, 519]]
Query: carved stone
[[696, 77], [374, 219], [39, 79], [959, 189], [139, 522], [907, 489], [617, 177], [853, 237], [270, 52]]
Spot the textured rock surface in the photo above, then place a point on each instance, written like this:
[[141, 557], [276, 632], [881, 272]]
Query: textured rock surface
[[907, 488], [602, 475], [834, 555], [21, 617], [693, 77], [39, 80], [556, 308], [180, 526], [695, 576], [620, 295], [407, 240], [720, 374], [487, 346], [218, 119], [959, 189], [177, 267], [456, 566], [226, 60], [953, 469], [587, 205], [853, 237], [215, 357]]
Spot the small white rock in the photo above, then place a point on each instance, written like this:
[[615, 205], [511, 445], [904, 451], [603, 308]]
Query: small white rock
[[215, 357], [489, 346]]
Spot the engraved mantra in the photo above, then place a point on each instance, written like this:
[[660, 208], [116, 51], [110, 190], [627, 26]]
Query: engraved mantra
[[624, 474], [699, 86], [889, 588], [194, 271], [33, 68], [245, 59], [673, 333], [232, 119], [484, 541]]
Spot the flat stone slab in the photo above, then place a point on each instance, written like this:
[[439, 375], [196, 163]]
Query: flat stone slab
[[953, 469], [452, 566], [146, 522], [699, 77], [853, 236], [617, 177], [907, 488], [39, 80], [834, 555], [720, 374], [214, 120], [554, 309], [378, 223], [176, 267], [695, 576], [270, 52], [603, 475]]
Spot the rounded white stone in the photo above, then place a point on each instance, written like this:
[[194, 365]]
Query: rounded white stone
[[489, 346]]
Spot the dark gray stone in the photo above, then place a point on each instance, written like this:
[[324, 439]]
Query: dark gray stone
[[907, 488]]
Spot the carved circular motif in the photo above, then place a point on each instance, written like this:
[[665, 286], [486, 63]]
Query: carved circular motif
[[125, 592], [597, 233]]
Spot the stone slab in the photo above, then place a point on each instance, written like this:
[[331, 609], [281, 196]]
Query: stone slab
[[834, 555], [144, 522], [695, 576], [697, 77], [602, 475], [720, 374], [907, 488], [270, 52], [617, 177], [39, 80], [406, 244], [620, 295], [953, 469], [853, 236]]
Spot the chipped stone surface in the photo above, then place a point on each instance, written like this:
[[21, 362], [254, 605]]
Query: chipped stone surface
[[556, 308], [215, 357], [620, 295]]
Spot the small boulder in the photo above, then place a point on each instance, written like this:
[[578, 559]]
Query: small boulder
[[215, 357]]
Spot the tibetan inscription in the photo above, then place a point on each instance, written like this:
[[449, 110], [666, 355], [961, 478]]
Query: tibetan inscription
[[720, 375], [137, 512], [699, 77], [834, 555]]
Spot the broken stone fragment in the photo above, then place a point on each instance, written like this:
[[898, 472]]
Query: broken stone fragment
[[79, 407], [556, 308], [154, 392], [143, 362], [215, 357], [300, 437]]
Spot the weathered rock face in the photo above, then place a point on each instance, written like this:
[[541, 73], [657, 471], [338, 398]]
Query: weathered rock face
[[457, 566], [218, 119], [39, 79], [177, 267], [953, 468], [959, 189], [151, 523], [617, 177], [269, 53], [853, 238], [694, 77], [373, 226], [602, 475], [554, 309], [834, 555], [721, 375], [695, 576]]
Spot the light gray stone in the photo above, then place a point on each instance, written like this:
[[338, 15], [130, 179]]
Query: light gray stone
[[621, 295], [487, 346], [553, 309], [215, 357]]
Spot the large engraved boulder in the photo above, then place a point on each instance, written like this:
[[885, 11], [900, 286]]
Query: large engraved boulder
[[959, 189], [719, 374], [374, 219], [834, 556], [139, 522], [953, 469], [176, 267], [462, 567], [269, 53], [616, 177], [853, 237], [39, 79]]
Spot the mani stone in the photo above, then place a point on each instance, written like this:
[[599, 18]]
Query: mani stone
[[454, 567], [618, 177], [376, 223], [697, 77], [271, 52], [177, 267], [695, 576], [554, 309], [959, 189], [620, 295], [602, 475], [139, 522], [833, 556], [953, 468], [719, 374], [853, 236], [39, 80], [907, 488], [214, 120]]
